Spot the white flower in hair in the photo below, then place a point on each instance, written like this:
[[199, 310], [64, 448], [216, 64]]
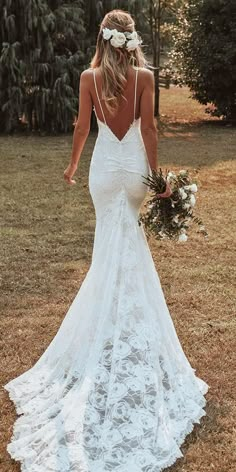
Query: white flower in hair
[[133, 35], [133, 44], [134, 41], [118, 39], [107, 33]]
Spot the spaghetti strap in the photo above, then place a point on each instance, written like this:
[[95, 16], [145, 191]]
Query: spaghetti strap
[[95, 83], [135, 92]]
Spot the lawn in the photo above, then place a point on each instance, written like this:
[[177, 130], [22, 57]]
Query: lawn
[[46, 246]]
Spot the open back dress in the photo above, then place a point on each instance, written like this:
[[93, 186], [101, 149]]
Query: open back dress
[[114, 391]]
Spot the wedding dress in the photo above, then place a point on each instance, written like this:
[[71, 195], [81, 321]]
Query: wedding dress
[[114, 391]]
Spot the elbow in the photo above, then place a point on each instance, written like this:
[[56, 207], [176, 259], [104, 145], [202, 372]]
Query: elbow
[[149, 128], [82, 130]]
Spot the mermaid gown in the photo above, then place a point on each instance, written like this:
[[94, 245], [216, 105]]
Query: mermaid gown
[[114, 391]]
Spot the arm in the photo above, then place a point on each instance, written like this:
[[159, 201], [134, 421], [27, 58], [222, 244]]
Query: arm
[[82, 127], [148, 124]]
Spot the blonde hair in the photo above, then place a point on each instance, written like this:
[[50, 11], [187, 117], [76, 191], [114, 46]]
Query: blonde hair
[[114, 62]]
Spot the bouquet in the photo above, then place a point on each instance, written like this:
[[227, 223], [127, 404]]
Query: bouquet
[[171, 217]]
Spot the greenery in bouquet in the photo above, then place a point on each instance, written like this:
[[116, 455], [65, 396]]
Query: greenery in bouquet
[[171, 217]]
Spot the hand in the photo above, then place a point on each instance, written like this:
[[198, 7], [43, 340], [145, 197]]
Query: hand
[[69, 172], [167, 192]]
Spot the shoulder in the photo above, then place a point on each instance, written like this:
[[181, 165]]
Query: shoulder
[[146, 76], [86, 76], [86, 73]]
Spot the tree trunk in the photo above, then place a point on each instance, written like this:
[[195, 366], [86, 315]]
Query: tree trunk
[[155, 23], [158, 59]]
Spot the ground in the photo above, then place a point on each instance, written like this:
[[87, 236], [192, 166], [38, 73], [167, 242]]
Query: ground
[[46, 246]]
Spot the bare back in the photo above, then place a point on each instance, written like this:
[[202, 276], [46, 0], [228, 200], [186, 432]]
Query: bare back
[[120, 123], [129, 104]]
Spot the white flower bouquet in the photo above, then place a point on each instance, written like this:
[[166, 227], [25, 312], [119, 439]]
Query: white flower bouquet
[[170, 212]]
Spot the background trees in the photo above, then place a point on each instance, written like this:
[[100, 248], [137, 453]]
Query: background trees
[[205, 53], [45, 44], [160, 17], [42, 53]]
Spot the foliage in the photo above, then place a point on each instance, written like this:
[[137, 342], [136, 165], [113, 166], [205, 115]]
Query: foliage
[[40, 62], [205, 52], [159, 18], [45, 44]]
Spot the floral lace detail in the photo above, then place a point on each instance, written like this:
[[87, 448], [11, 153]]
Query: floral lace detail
[[114, 391]]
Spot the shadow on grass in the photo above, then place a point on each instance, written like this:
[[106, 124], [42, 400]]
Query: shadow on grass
[[209, 425], [196, 143], [196, 126]]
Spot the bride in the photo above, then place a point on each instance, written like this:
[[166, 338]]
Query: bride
[[114, 390]]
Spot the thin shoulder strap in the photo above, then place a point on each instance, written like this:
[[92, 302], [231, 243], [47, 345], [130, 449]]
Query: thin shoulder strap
[[135, 91], [95, 83]]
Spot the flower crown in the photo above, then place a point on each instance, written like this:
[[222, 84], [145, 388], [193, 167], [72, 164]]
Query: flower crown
[[118, 39]]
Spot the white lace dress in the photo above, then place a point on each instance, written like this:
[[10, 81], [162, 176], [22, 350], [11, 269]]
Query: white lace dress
[[114, 391]]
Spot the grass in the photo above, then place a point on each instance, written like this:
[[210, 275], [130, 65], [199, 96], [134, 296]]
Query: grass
[[46, 246]]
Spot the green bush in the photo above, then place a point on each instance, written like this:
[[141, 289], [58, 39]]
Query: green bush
[[41, 58], [205, 53]]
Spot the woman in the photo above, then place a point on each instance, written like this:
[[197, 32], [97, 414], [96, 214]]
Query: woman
[[114, 390]]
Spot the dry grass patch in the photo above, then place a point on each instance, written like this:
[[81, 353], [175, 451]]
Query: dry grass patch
[[46, 246]]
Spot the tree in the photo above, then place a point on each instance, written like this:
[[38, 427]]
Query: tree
[[160, 16], [40, 63], [205, 53], [96, 10]]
